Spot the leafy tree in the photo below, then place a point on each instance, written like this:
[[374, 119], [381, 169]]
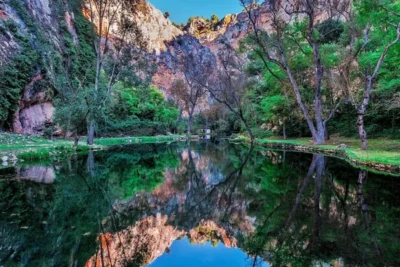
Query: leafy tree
[[106, 15], [294, 46], [369, 53]]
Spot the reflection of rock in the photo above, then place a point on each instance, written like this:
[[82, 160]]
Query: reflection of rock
[[139, 244], [148, 239], [39, 174], [209, 230]]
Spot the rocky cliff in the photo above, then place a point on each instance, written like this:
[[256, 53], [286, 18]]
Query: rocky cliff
[[27, 26], [164, 43]]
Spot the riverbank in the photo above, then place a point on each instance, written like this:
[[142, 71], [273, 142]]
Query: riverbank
[[17, 147], [382, 155]]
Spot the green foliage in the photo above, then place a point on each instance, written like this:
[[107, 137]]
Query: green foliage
[[335, 38], [139, 111], [13, 79], [73, 75], [271, 106], [330, 31]]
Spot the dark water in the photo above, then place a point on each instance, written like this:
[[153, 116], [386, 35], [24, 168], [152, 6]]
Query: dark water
[[207, 205]]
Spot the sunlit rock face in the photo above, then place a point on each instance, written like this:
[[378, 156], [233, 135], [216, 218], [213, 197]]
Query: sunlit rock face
[[169, 63], [35, 109], [163, 43], [153, 25]]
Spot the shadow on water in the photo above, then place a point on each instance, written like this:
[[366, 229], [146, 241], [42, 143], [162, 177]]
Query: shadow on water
[[127, 206]]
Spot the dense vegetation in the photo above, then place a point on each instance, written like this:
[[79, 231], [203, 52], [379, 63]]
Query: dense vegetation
[[304, 77], [124, 102], [319, 81]]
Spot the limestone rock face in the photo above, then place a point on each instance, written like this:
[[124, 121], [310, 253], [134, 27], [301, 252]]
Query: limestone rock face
[[164, 43], [168, 61], [35, 109], [33, 119], [156, 29], [153, 25]]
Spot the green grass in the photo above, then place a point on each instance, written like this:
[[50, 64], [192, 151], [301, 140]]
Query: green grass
[[380, 151], [34, 148]]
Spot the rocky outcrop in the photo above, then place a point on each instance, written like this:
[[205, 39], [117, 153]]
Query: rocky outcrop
[[154, 27], [8, 44], [169, 62], [163, 44], [35, 110]]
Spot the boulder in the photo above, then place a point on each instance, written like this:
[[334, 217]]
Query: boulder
[[343, 146]]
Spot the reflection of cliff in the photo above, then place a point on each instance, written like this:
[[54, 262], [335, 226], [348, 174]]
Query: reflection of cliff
[[136, 245], [148, 239], [284, 208], [200, 198], [210, 231]]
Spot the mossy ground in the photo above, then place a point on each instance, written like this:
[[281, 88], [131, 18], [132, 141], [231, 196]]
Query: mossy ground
[[380, 151], [38, 148]]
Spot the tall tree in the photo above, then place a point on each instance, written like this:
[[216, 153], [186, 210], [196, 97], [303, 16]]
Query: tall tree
[[360, 69], [196, 68], [116, 29], [282, 42], [229, 83]]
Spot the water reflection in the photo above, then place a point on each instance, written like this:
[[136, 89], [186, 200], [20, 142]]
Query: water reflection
[[127, 207]]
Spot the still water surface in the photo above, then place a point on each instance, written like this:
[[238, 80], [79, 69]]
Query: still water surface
[[204, 205]]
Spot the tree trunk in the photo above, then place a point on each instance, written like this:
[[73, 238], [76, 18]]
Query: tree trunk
[[248, 129], [319, 175], [361, 130], [189, 127], [284, 130], [319, 137], [361, 112], [76, 140], [90, 139], [327, 136]]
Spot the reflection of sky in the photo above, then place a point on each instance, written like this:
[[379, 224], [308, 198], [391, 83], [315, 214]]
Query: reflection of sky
[[184, 254]]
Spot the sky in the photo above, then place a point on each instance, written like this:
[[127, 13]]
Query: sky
[[182, 10], [183, 253]]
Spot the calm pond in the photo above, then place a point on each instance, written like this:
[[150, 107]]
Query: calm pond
[[213, 204]]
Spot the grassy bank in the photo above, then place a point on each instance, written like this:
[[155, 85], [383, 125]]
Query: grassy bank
[[382, 153], [38, 148]]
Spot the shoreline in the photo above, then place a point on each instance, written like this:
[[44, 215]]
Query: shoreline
[[374, 159], [383, 156], [16, 148]]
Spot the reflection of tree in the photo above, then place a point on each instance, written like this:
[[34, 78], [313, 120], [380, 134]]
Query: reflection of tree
[[326, 221], [300, 211], [68, 214]]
